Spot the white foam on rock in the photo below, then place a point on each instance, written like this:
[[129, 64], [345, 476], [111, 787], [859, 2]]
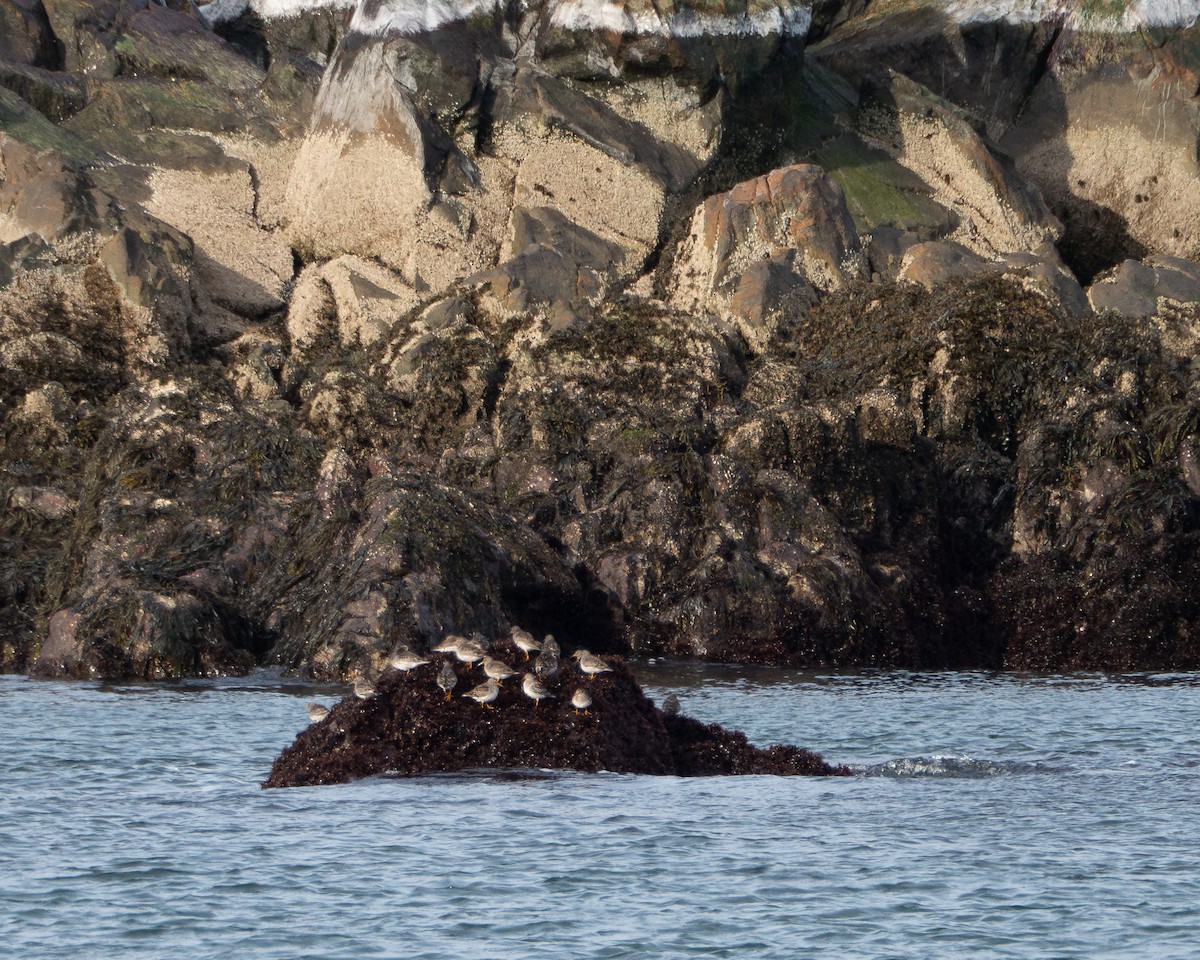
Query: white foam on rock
[[219, 11], [1133, 16], [407, 17], [787, 18]]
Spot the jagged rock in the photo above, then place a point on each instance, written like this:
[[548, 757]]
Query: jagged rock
[[935, 264], [56, 96], [437, 561], [1136, 289], [1103, 96], [25, 36], [606, 157], [356, 300], [106, 38], [586, 40], [409, 728], [1043, 270], [541, 276], [952, 55], [784, 233], [769, 293], [42, 193], [997, 209], [366, 179], [240, 265]]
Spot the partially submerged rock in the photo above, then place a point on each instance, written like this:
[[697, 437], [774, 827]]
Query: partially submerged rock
[[409, 727]]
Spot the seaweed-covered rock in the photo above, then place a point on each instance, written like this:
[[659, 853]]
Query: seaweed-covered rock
[[626, 346], [409, 727]]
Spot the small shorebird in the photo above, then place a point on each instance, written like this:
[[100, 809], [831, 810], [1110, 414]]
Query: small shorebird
[[485, 693], [450, 643], [478, 638], [316, 712], [581, 700], [447, 679], [671, 705], [550, 645], [534, 690], [469, 651], [589, 663], [546, 664], [523, 641], [364, 689], [404, 660], [497, 670]]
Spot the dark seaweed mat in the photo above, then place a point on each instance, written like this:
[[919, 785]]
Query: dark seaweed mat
[[410, 728]]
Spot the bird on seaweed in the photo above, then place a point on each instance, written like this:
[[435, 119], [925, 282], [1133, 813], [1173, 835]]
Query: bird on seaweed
[[364, 689], [534, 690], [449, 644], [523, 641], [485, 693], [671, 705], [447, 679], [479, 639], [546, 664], [404, 660], [470, 652], [589, 663], [316, 712], [550, 645], [581, 700], [497, 670]]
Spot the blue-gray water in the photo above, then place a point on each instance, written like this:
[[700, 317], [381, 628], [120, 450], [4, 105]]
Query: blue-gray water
[[1061, 822]]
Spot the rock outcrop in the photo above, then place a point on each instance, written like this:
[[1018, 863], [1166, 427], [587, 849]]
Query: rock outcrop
[[853, 336], [408, 727]]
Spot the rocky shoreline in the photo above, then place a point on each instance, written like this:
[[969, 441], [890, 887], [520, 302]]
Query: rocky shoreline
[[819, 346]]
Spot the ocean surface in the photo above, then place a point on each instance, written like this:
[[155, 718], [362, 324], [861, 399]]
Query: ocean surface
[[993, 816]]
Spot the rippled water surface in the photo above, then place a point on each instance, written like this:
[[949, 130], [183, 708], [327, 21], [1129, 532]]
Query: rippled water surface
[[993, 817]]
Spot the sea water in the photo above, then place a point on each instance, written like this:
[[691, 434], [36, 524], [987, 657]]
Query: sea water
[[991, 816]]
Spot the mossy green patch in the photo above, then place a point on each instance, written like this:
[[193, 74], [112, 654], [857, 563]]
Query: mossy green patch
[[22, 122], [146, 104], [880, 192]]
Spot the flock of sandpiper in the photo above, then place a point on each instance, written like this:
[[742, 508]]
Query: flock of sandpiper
[[473, 650]]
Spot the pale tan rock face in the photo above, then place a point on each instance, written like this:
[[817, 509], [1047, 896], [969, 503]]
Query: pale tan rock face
[[673, 112], [412, 160], [617, 202], [358, 183], [1109, 136], [244, 266], [1154, 185], [995, 211], [356, 299]]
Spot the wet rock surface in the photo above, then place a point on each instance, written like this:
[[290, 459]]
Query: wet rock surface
[[409, 727], [680, 332]]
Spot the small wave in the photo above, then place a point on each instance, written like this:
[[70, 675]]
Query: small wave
[[495, 774], [952, 768]]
